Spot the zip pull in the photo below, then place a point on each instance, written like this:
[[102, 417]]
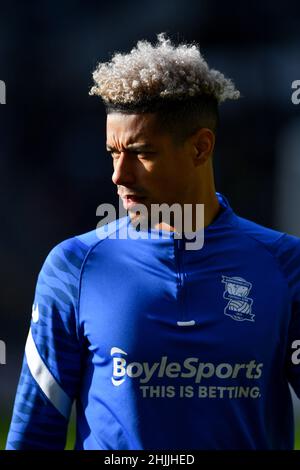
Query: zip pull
[[186, 323]]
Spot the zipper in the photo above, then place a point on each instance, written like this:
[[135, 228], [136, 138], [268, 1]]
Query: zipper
[[179, 244]]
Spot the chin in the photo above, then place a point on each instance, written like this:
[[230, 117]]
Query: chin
[[139, 220]]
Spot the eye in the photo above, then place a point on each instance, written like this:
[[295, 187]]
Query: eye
[[143, 154]]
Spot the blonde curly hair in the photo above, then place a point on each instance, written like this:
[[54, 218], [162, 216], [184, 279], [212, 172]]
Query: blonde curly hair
[[162, 71]]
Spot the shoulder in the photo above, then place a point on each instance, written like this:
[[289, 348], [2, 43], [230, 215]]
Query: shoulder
[[69, 255], [264, 235], [274, 240], [283, 247]]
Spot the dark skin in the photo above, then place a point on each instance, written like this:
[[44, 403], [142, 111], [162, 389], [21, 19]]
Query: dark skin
[[149, 164]]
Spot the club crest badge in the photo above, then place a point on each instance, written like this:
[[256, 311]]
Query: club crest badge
[[239, 306]]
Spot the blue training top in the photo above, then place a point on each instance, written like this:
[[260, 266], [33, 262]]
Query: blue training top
[[164, 347]]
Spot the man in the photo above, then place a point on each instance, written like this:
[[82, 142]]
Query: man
[[161, 346]]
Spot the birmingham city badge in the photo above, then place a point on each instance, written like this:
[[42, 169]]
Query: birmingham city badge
[[239, 306]]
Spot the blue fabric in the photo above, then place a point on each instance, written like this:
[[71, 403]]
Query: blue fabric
[[108, 333]]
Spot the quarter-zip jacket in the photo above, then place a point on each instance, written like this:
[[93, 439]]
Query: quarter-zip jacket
[[163, 347]]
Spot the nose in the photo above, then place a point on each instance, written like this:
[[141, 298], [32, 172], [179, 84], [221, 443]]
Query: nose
[[123, 174]]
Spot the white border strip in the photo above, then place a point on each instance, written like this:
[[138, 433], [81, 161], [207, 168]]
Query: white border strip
[[45, 379]]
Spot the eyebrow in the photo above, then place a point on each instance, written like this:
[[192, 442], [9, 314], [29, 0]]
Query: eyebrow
[[131, 147]]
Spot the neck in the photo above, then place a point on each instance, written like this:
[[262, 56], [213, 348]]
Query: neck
[[195, 216], [201, 191]]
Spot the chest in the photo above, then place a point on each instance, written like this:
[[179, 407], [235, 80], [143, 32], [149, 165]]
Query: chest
[[218, 308]]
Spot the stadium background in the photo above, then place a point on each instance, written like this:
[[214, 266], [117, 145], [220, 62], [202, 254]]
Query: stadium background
[[54, 170]]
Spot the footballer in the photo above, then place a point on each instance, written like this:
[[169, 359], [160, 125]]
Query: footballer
[[160, 346]]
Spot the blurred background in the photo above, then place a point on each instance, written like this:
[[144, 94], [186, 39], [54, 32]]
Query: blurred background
[[54, 170]]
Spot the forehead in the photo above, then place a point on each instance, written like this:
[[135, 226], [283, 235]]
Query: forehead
[[131, 127]]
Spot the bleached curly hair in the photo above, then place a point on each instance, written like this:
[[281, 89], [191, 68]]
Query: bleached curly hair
[[159, 72]]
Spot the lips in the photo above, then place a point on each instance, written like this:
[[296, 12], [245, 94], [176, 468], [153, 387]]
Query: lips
[[131, 200]]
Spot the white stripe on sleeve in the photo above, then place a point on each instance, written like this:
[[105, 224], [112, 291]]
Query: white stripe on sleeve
[[45, 379]]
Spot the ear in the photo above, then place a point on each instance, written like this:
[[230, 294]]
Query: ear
[[203, 145]]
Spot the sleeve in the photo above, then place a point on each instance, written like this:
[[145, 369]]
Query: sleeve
[[50, 375], [289, 257]]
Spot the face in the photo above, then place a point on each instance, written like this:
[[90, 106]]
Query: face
[[149, 167]]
